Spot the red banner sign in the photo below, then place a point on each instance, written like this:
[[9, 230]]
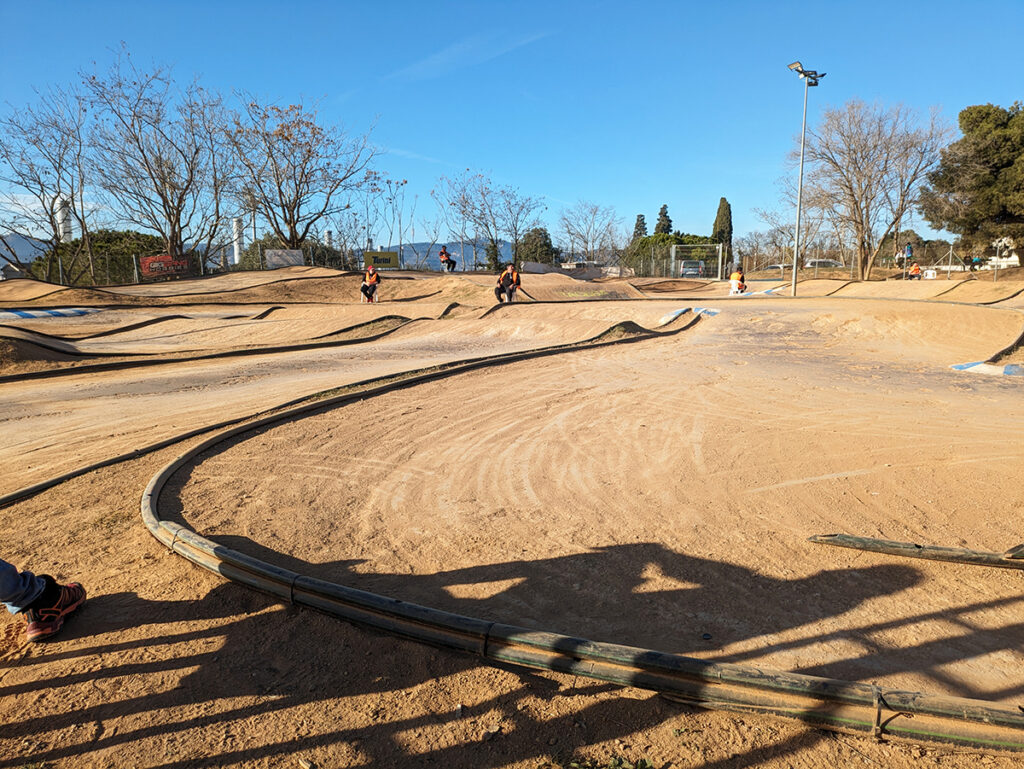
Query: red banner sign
[[164, 266]]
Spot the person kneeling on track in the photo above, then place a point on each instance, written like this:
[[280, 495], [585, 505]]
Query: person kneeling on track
[[915, 272], [508, 283], [371, 281]]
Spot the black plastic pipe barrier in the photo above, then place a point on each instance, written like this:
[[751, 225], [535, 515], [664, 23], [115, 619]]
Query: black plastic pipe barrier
[[823, 702]]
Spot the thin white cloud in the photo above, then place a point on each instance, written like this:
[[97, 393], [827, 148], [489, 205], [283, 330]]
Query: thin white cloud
[[465, 53], [414, 156], [344, 96]]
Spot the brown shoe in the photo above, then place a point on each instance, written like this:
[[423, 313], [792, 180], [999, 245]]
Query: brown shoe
[[44, 621]]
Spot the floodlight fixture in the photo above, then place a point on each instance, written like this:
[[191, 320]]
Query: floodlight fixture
[[796, 66]]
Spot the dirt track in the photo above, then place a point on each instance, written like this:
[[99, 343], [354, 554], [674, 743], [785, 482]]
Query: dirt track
[[650, 494]]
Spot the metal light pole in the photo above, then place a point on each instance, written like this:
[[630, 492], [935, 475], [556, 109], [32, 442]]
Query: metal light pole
[[810, 78]]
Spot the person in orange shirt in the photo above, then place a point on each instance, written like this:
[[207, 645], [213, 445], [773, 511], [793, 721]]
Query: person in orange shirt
[[446, 259], [915, 272], [371, 281], [736, 284]]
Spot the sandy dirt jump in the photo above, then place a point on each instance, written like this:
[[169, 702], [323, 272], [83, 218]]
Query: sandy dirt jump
[[658, 493]]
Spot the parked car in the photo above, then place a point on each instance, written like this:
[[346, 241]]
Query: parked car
[[811, 263], [692, 268]]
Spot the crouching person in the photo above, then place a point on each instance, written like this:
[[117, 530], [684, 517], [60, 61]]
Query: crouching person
[[508, 284], [371, 281]]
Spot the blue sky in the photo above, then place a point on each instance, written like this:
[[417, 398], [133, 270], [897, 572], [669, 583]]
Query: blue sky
[[628, 105]]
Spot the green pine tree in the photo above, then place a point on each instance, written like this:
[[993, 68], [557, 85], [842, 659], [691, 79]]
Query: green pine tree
[[640, 228], [535, 246], [664, 224], [722, 231]]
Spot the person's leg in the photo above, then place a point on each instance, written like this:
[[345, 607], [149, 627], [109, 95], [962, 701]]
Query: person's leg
[[18, 588], [44, 602], [497, 294]]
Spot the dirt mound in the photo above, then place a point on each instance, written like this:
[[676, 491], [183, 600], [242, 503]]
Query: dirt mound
[[896, 289], [19, 290], [812, 287], [555, 287], [666, 285], [943, 335], [224, 282], [15, 350], [984, 291]]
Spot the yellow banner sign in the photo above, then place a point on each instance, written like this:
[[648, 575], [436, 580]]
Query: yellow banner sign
[[381, 259]]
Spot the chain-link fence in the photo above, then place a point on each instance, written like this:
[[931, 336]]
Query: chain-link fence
[[676, 261]]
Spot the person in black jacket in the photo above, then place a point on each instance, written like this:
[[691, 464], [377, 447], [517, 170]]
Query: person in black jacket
[[371, 281], [508, 283], [446, 259]]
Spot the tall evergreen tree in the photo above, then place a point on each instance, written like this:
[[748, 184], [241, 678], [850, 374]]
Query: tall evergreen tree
[[664, 224], [977, 191], [722, 231], [535, 246], [639, 229]]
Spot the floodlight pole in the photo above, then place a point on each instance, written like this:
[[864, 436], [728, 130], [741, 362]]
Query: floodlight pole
[[800, 183]]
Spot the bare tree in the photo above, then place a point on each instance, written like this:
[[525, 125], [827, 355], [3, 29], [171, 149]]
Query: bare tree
[[349, 233], [474, 200], [160, 156], [494, 212], [814, 215], [594, 227], [865, 167], [431, 229], [449, 196], [393, 208], [299, 170], [751, 251], [517, 213], [42, 167]]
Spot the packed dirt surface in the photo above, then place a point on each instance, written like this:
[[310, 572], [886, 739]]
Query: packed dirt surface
[[658, 494]]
